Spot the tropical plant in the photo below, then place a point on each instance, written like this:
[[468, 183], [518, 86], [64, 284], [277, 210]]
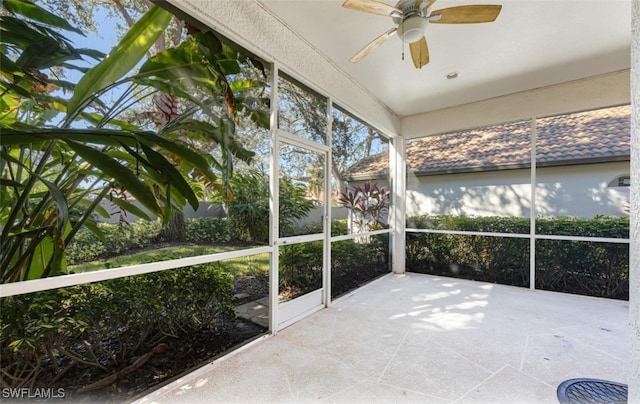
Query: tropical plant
[[249, 208], [366, 203], [92, 153]]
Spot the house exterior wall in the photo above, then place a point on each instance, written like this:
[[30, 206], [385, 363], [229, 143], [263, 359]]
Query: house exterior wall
[[316, 215], [580, 190]]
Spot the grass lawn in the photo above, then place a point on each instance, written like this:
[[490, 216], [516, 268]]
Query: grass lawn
[[237, 266]]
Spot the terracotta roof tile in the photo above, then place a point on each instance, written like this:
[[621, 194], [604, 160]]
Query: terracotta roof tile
[[592, 136]]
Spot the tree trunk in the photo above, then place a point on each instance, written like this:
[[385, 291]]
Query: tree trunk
[[174, 231], [368, 142]]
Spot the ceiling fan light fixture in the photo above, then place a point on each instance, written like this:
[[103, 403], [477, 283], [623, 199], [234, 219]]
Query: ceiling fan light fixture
[[411, 18], [412, 29]]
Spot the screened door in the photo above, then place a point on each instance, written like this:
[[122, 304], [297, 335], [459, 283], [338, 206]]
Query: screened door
[[302, 229]]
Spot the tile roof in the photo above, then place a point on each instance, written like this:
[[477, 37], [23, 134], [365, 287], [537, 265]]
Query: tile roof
[[585, 137]]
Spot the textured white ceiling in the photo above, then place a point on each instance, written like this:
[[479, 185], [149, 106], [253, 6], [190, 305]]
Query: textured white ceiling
[[532, 44]]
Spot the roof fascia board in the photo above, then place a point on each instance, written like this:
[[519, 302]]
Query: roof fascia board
[[518, 166], [502, 167]]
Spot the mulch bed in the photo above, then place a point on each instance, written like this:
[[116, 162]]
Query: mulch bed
[[181, 357]]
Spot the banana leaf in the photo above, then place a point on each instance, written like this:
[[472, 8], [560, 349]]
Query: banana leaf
[[121, 174], [32, 11], [124, 57]]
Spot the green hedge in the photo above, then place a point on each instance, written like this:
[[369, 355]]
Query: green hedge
[[353, 263], [588, 268], [86, 246], [356, 262], [209, 230], [107, 325], [119, 238]]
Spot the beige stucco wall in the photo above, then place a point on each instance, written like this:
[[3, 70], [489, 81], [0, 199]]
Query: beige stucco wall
[[580, 191]]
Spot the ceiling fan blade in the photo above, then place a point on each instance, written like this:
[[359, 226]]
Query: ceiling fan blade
[[372, 6], [419, 52], [427, 4], [372, 45], [465, 14]]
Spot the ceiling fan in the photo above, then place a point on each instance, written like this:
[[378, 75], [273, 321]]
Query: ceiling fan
[[411, 18]]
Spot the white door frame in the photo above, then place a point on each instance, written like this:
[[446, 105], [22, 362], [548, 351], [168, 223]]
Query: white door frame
[[291, 311]]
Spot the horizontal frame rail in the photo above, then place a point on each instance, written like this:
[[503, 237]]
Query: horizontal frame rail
[[55, 282], [522, 235], [358, 235]]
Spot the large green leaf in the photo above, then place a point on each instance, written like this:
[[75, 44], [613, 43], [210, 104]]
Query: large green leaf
[[155, 173], [121, 174], [48, 258], [96, 118], [98, 209], [194, 158], [198, 62], [180, 64], [130, 207], [172, 176], [62, 216], [19, 33], [96, 230], [216, 53], [104, 137], [36, 13], [43, 54], [8, 68], [74, 137], [8, 182], [126, 54], [40, 258], [57, 262]]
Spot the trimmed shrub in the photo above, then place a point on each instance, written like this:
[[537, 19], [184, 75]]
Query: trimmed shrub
[[356, 263], [208, 230], [582, 267], [588, 268], [119, 238], [107, 325], [300, 269], [339, 227], [353, 263], [86, 246], [480, 258]]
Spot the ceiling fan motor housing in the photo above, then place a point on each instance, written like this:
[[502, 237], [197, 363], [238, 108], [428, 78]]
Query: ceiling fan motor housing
[[412, 23]]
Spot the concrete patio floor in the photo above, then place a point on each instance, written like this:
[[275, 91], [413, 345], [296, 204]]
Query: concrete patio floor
[[427, 339]]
